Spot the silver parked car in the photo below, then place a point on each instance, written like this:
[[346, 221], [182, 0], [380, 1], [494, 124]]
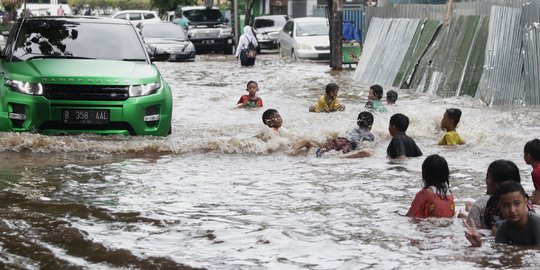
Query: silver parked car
[[305, 38], [267, 30], [168, 37]]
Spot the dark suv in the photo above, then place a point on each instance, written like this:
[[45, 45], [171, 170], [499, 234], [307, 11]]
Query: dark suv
[[208, 29]]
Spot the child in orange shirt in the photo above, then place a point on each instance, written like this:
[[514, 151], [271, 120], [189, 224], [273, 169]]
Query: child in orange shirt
[[435, 198]]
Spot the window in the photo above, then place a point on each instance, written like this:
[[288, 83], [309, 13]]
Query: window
[[148, 16], [135, 17]]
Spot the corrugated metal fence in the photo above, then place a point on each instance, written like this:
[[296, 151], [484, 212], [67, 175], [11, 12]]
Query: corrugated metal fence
[[493, 55]]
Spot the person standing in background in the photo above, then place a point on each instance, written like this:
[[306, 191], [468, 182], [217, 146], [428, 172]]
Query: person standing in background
[[60, 11]]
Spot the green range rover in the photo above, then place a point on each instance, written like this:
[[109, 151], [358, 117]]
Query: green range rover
[[69, 75]]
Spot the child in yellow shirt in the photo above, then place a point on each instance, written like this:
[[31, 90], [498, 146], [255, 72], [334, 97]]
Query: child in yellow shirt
[[449, 122], [328, 102]]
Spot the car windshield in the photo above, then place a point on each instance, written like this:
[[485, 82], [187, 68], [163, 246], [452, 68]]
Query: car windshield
[[267, 22], [164, 30], [69, 39], [313, 28], [203, 15], [260, 23]]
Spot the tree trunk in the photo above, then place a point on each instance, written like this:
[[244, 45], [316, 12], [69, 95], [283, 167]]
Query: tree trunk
[[248, 19], [335, 19]]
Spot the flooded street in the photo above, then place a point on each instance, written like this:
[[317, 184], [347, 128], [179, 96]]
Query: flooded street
[[212, 195]]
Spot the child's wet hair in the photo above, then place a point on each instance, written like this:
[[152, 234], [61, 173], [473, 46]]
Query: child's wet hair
[[435, 173], [391, 96], [365, 119], [268, 115], [400, 121], [532, 148], [509, 187], [377, 90], [250, 82], [454, 114], [331, 87], [502, 170]]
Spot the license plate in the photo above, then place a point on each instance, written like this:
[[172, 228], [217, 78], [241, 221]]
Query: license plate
[[207, 41], [93, 117]]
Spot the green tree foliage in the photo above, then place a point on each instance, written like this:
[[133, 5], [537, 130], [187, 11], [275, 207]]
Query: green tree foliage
[[10, 7], [106, 4]]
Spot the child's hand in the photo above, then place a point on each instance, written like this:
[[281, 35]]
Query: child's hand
[[472, 234], [535, 198], [468, 206]]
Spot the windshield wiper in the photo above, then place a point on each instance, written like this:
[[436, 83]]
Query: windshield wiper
[[58, 57], [134, 59]]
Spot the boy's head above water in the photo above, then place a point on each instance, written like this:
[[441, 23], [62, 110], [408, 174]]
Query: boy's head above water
[[531, 152], [331, 90], [252, 87], [365, 120], [272, 119], [512, 201], [398, 124], [375, 92], [391, 97], [451, 119]]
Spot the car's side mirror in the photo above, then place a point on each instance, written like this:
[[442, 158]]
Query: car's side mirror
[[290, 33]]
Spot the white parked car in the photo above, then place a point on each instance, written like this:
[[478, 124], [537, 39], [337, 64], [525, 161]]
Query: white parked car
[[305, 38], [137, 16]]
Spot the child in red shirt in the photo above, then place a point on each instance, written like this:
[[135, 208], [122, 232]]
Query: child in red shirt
[[251, 100], [531, 155], [435, 199]]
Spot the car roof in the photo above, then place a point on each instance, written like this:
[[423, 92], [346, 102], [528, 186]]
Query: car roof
[[144, 23], [80, 19], [270, 16], [197, 7], [134, 11], [309, 19]]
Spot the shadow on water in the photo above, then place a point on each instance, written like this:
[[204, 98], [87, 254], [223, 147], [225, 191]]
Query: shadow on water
[[33, 232]]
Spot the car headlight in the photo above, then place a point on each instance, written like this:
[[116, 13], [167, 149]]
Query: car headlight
[[35, 89], [225, 32], [259, 36], [144, 89], [190, 47], [305, 46]]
